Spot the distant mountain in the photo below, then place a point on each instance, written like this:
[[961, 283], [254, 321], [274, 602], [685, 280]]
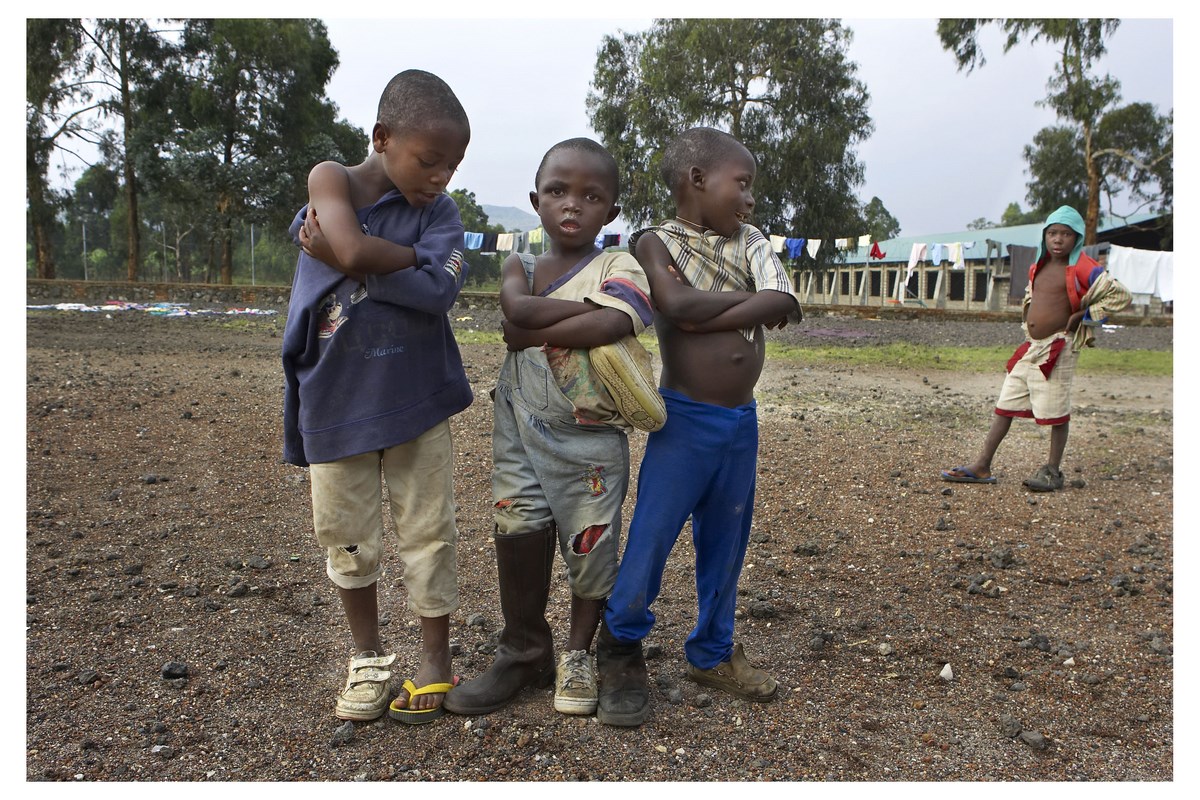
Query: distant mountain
[[510, 217], [513, 218]]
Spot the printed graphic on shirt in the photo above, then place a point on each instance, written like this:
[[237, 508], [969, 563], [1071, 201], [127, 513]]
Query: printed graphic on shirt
[[594, 478], [330, 317], [454, 264]]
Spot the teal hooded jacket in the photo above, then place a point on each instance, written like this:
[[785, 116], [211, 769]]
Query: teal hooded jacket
[[1068, 216]]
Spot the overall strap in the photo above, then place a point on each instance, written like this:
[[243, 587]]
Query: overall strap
[[528, 261]]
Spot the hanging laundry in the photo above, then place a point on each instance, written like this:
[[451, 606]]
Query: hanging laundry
[[1166, 276], [955, 254], [843, 244], [521, 243], [794, 247], [473, 241], [535, 235], [1138, 270], [876, 252], [916, 255], [937, 251], [504, 243], [611, 240], [813, 246], [489, 242], [864, 240], [777, 243]]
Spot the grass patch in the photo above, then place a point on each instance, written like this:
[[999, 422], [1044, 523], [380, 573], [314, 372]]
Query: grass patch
[[970, 359], [478, 337], [496, 337]]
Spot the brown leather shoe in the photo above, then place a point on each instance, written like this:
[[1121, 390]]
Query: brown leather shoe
[[738, 677]]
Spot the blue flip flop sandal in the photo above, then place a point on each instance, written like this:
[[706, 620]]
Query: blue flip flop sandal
[[965, 475]]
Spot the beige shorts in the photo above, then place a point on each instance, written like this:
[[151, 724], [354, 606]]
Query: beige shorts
[[348, 517], [1029, 392]]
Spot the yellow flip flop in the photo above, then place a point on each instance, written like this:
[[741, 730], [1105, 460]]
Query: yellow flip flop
[[419, 716]]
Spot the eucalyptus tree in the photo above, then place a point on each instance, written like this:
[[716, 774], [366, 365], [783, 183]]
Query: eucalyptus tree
[[784, 87], [1103, 147], [52, 50], [249, 118]]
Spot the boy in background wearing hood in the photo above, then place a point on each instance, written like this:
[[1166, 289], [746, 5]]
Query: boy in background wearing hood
[[1067, 296]]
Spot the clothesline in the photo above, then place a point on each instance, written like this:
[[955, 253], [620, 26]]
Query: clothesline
[[796, 246], [518, 242]]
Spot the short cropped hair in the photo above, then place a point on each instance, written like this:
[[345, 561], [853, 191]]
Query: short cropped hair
[[415, 99], [584, 145], [696, 147]]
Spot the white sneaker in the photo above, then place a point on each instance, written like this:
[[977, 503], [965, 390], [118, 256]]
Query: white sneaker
[[366, 694], [575, 686]]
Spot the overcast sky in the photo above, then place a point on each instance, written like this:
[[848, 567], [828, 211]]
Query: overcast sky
[[946, 147]]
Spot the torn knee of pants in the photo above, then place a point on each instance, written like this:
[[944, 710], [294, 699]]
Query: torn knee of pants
[[351, 550], [586, 539], [504, 504]]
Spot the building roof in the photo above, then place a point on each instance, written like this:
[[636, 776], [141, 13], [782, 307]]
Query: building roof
[[900, 248]]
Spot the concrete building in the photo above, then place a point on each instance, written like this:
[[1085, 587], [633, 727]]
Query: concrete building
[[976, 270]]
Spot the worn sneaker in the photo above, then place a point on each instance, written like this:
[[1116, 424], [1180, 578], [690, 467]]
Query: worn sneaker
[[575, 686], [1046, 479], [366, 694]]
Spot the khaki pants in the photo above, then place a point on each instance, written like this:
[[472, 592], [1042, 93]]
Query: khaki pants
[[348, 518]]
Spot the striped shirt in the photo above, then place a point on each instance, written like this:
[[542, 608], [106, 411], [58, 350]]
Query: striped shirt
[[715, 263]]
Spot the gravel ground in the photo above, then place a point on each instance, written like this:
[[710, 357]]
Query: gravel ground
[[179, 626]]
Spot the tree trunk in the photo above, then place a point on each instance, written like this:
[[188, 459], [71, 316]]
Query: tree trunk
[[131, 194], [41, 216], [227, 255], [1091, 219], [223, 206]]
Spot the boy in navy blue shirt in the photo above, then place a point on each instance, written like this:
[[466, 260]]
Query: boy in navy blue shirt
[[373, 375]]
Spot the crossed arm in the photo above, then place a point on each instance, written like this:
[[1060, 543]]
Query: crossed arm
[[337, 239], [700, 311], [533, 321]]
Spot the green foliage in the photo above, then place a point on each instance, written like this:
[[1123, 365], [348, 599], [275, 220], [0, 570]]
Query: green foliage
[[1013, 215], [879, 221], [482, 270], [1134, 148], [980, 224], [246, 116], [1058, 170], [756, 79], [1103, 149], [52, 48]]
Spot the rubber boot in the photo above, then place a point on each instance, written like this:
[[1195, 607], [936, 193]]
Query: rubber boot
[[621, 671], [525, 652]]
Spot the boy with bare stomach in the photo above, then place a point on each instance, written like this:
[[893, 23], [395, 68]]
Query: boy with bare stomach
[[715, 282], [1067, 296]]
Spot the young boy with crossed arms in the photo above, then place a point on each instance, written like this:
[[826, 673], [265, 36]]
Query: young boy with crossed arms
[[715, 282], [559, 442], [373, 375]]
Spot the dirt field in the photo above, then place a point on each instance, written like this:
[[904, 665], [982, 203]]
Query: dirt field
[[162, 527]]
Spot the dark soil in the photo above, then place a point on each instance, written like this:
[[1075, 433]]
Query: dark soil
[[162, 529]]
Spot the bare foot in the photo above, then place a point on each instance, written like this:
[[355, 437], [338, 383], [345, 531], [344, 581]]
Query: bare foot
[[428, 673]]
